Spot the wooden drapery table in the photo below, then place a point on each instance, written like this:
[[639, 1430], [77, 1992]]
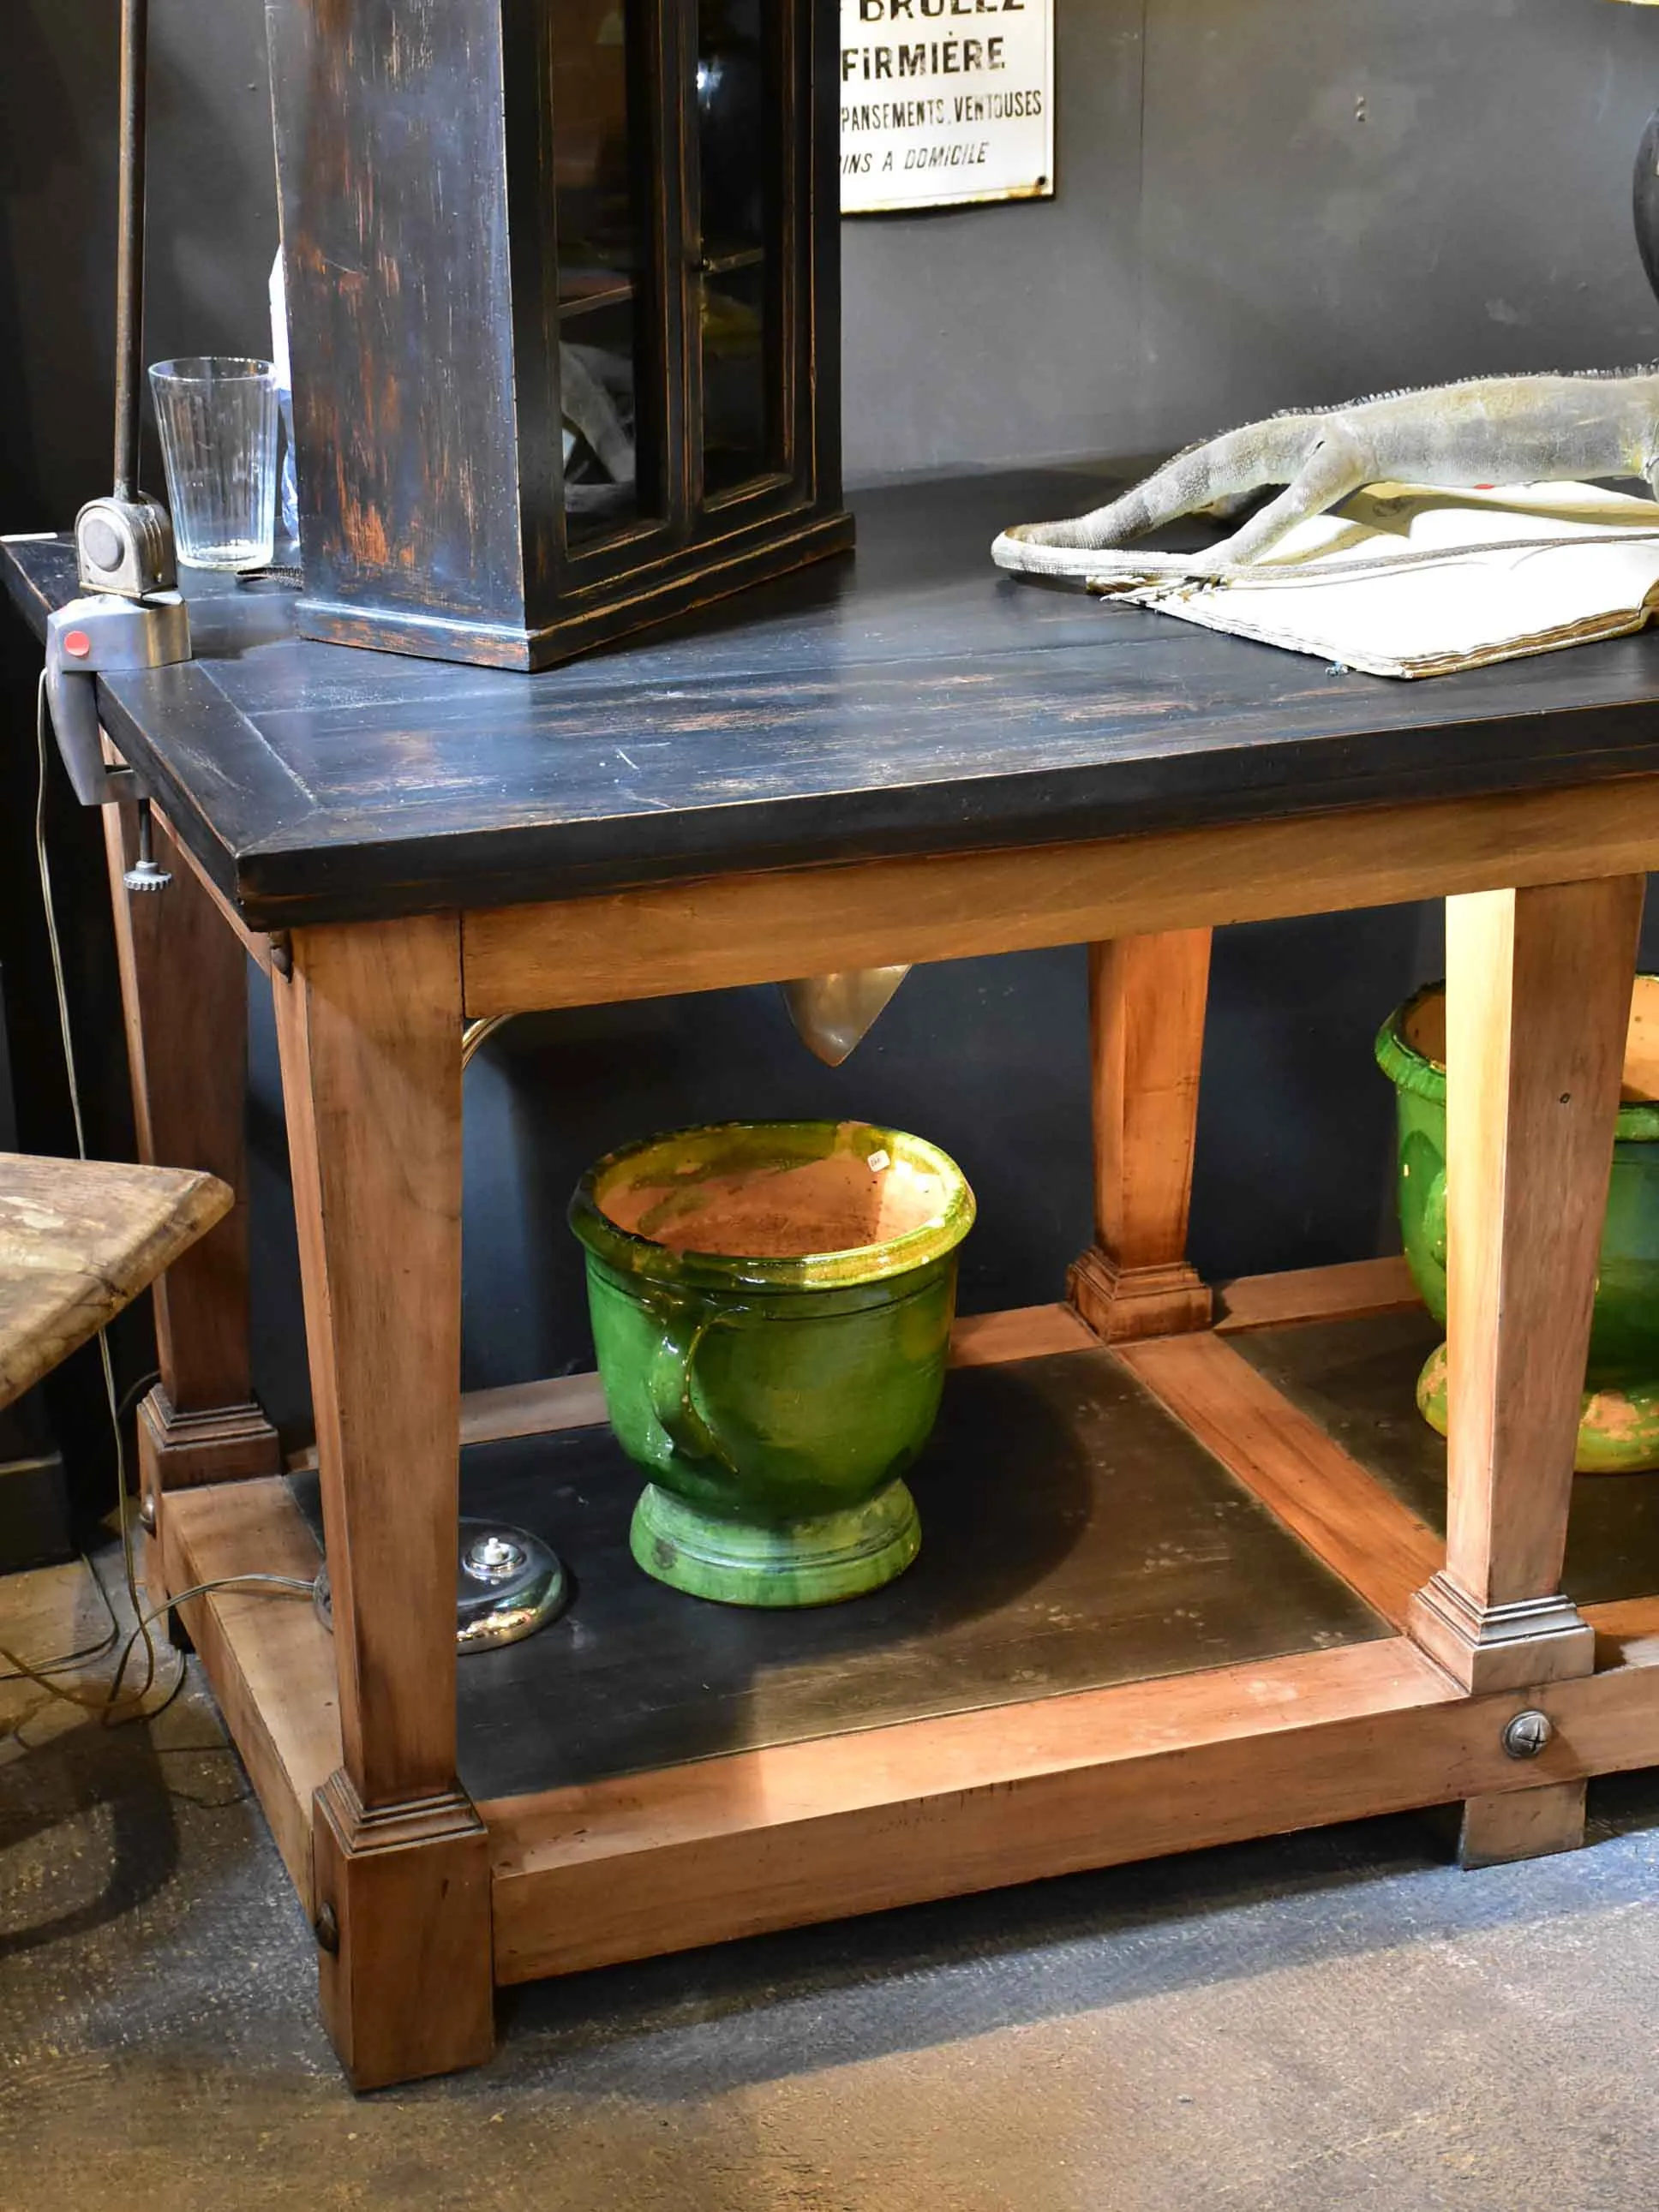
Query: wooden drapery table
[[904, 758]]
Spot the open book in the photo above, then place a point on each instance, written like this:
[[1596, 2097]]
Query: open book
[[1401, 581]]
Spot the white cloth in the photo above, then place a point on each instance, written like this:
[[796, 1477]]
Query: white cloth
[[288, 507], [1401, 581]]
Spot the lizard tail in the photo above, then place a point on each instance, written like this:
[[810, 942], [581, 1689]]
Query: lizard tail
[[1229, 467]]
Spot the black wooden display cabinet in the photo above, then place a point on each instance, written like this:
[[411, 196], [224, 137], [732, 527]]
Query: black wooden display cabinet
[[530, 245]]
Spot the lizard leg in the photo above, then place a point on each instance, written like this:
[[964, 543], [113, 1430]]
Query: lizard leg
[[1163, 497], [1337, 465], [1230, 468]]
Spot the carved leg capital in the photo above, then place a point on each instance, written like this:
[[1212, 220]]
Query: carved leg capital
[[1501, 1647], [403, 1934], [1121, 1304], [220, 1443]]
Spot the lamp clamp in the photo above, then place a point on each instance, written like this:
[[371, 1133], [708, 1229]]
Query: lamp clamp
[[92, 635]]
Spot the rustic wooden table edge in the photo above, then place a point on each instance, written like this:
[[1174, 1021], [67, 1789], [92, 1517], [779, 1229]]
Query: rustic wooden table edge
[[908, 706]]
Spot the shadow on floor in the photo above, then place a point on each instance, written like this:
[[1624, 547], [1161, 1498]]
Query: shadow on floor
[[1329, 2018], [86, 1774]]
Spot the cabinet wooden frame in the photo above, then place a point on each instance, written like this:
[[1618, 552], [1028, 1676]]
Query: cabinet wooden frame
[[425, 314]]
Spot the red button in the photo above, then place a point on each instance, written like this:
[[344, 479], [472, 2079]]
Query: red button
[[77, 642]]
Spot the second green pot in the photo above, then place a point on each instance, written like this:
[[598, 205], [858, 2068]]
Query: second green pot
[[772, 1305], [1618, 1426]]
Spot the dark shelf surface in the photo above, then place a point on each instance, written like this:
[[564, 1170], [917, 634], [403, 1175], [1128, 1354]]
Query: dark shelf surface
[[1074, 1536], [618, 295], [911, 698], [1358, 1380]]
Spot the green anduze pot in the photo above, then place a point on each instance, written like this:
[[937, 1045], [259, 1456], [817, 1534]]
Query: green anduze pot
[[1619, 1425], [772, 1304]]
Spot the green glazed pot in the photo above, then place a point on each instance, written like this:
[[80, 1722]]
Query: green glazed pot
[[772, 1304], [1619, 1428]]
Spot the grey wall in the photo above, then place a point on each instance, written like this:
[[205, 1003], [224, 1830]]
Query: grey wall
[[1266, 203], [1261, 204]]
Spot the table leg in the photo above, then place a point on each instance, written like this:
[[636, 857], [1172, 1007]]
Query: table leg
[[1538, 1001], [184, 991], [1519, 1824], [1146, 998], [370, 1028]]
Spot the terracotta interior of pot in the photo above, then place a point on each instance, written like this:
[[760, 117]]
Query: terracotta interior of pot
[[770, 1211], [1425, 1032]]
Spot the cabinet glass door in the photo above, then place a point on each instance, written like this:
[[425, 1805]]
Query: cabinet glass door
[[602, 198], [738, 298]]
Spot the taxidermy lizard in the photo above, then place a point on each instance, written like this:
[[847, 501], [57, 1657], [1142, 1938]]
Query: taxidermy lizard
[[1491, 430]]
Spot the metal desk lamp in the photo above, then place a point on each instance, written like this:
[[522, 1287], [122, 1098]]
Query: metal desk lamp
[[130, 616]]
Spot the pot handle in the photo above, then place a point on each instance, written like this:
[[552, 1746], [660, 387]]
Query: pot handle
[[669, 1385], [1434, 1218]]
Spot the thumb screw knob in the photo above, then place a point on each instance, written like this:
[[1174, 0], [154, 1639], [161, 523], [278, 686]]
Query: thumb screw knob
[[146, 874]]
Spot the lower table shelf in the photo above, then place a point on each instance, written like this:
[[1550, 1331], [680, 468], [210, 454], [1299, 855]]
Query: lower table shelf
[[1074, 1536], [1356, 1377], [1156, 1608]]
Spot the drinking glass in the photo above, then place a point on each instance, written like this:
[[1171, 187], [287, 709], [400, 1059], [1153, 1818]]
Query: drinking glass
[[217, 416]]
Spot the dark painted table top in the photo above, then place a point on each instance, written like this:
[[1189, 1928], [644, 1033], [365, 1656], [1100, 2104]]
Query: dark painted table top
[[909, 699]]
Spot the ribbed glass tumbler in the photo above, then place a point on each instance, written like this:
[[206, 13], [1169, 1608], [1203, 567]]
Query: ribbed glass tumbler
[[217, 416]]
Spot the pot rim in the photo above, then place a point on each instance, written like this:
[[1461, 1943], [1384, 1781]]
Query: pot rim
[[1410, 1070], [931, 1241]]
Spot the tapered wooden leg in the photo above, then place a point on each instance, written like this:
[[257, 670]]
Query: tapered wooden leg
[[370, 1028], [1146, 999], [184, 989], [1537, 1005]]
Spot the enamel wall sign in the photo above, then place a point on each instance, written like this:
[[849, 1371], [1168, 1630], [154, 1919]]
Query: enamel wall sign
[[946, 102]]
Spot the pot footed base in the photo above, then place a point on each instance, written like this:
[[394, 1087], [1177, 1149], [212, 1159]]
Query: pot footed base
[[1618, 1430], [795, 1563]]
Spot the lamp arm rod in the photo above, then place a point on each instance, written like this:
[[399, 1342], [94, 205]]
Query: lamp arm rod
[[130, 248]]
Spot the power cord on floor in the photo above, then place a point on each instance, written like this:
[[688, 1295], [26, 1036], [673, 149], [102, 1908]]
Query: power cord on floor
[[111, 1635], [27, 1672], [110, 1704]]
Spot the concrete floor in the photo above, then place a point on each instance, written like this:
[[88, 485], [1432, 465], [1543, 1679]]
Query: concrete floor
[[1336, 2023]]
